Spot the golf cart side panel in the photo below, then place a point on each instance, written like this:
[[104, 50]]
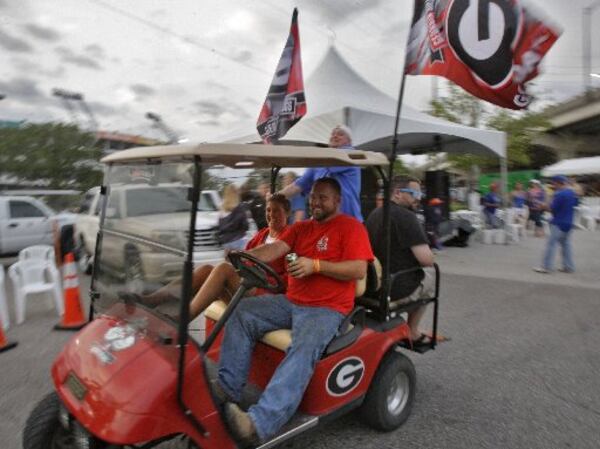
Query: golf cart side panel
[[142, 378], [352, 368], [346, 375]]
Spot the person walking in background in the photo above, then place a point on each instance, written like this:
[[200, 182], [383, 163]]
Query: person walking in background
[[348, 177], [233, 221], [298, 201], [562, 208], [536, 200], [519, 199], [518, 196], [491, 202], [433, 218]]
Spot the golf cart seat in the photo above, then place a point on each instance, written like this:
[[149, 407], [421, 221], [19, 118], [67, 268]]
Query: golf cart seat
[[282, 338], [427, 291]]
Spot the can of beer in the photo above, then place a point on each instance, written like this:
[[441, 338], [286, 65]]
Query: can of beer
[[291, 258]]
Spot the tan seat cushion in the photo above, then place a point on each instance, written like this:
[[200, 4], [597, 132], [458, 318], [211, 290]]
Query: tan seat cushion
[[379, 271], [280, 339]]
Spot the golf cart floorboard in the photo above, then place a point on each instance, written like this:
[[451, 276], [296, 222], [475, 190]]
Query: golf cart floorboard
[[298, 424]]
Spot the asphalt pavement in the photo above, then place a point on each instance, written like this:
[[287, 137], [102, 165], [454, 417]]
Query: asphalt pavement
[[520, 371]]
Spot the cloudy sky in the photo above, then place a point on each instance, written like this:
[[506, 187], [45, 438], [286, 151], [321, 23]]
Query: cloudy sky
[[205, 65]]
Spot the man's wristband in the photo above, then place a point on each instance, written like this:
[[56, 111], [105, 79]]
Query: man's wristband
[[316, 265]]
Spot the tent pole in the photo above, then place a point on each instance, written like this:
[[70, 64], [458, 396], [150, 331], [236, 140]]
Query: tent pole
[[504, 181], [505, 200], [385, 288]]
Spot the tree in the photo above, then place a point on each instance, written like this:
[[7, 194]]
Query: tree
[[520, 131], [462, 107], [59, 155]]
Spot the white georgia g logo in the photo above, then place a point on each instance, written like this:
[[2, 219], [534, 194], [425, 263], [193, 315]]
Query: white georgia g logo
[[345, 376], [482, 34]]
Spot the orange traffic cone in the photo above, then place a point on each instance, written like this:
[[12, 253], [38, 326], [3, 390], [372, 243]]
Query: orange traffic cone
[[73, 318], [4, 344]]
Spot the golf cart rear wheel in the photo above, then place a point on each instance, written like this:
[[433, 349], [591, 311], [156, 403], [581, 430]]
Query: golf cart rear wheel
[[43, 429], [390, 398]]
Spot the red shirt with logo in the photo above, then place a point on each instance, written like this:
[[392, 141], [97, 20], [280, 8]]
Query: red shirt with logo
[[340, 239], [278, 264]]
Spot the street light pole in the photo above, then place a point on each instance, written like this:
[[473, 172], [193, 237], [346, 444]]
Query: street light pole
[[68, 96], [158, 123], [586, 33]]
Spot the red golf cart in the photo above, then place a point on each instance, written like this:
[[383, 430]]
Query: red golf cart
[[134, 378]]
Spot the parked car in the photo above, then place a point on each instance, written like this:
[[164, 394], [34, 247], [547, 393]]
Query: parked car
[[27, 221], [135, 208]]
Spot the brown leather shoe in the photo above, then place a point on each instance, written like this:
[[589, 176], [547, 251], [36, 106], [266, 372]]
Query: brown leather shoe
[[241, 425]]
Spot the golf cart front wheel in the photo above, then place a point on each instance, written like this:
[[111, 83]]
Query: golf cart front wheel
[[43, 429], [390, 398]]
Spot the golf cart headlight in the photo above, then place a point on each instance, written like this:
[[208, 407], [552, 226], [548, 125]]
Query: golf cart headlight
[[63, 417]]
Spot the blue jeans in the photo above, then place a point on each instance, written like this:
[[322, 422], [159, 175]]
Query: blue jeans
[[491, 220], [312, 330], [558, 237]]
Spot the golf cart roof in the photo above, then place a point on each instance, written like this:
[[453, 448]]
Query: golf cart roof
[[252, 155]]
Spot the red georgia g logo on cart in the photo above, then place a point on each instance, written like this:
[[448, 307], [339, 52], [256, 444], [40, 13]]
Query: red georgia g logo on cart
[[345, 376]]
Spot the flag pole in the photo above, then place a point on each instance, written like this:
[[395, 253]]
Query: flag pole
[[387, 192]]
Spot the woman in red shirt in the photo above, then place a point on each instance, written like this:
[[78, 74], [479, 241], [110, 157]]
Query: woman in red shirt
[[222, 281]]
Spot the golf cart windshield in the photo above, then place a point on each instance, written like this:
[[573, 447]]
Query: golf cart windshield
[[145, 233], [144, 237]]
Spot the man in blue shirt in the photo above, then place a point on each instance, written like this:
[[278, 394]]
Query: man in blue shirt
[[348, 177], [491, 202], [562, 208]]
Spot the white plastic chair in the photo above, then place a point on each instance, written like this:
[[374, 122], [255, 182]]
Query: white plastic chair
[[587, 217], [38, 252], [34, 276], [3, 304]]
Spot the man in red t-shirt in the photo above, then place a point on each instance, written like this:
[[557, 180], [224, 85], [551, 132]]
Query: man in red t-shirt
[[333, 250]]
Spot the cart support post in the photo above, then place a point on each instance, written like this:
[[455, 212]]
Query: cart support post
[[384, 300]]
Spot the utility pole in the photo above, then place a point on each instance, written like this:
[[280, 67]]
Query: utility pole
[[159, 124], [586, 34]]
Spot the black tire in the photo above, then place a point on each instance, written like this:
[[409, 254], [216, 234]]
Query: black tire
[[391, 395], [42, 429]]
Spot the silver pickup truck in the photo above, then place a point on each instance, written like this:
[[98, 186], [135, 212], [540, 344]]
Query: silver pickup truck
[[136, 207], [27, 221]]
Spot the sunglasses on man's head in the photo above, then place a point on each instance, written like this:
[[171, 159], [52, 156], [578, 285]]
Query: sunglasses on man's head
[[416, 194]]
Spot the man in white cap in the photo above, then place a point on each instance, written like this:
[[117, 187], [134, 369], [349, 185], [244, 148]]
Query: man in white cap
[[348, 177]]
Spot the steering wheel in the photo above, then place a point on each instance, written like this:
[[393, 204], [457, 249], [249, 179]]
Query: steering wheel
[[256, 272]]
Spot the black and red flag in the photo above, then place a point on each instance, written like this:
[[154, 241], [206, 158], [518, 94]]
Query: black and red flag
[[285, 103], [490, 48]]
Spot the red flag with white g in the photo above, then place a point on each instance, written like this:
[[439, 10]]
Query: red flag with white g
[[285, 103], [490, 48]]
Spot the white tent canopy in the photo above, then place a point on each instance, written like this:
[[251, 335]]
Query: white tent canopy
[[574, 167], [336, 94]]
